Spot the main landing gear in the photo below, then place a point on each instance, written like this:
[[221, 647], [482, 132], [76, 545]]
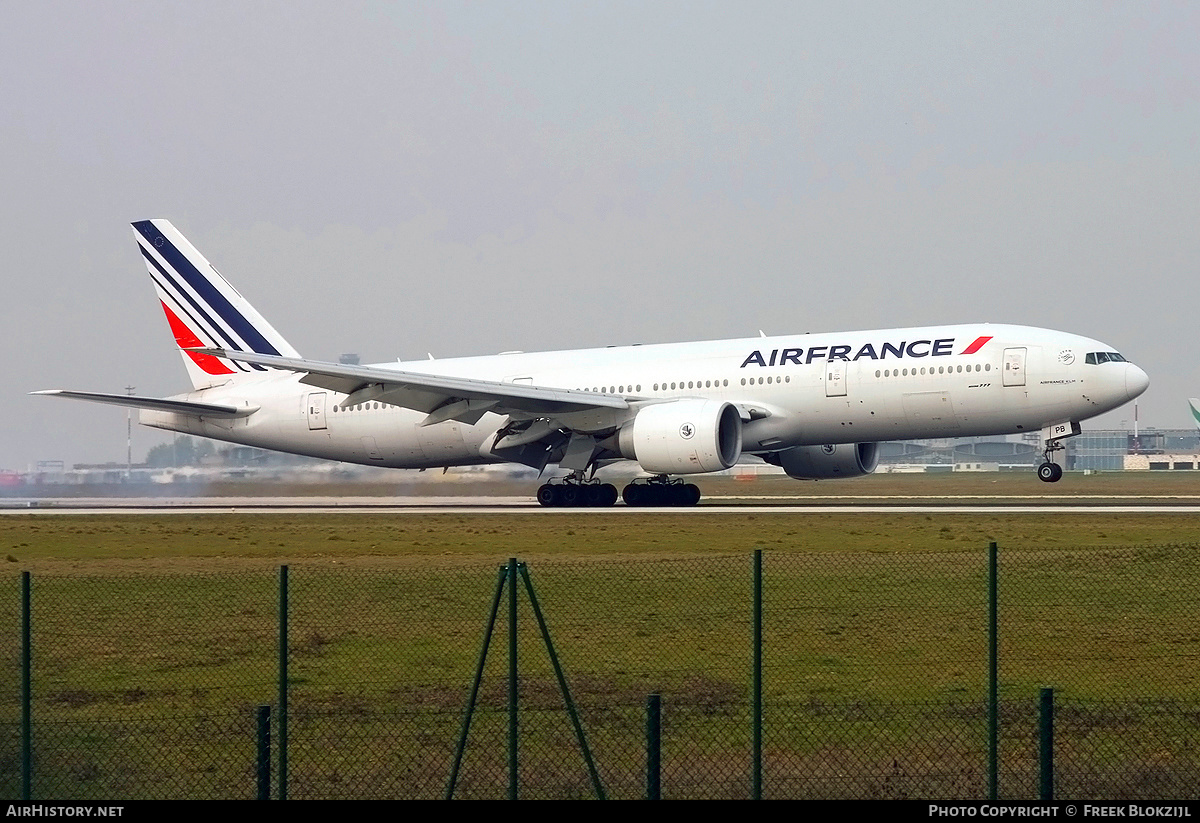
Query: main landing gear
[[574, 492], [571, 492], [661, 491], [1049, 471]]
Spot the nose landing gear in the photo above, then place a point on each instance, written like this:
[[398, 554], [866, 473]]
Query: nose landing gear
[[1049, 471]]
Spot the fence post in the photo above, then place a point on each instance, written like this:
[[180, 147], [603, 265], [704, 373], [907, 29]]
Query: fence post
[[512, 679], [756, 678], [562, 684], [653, 747], [263, 769], [1046, 746], [993, 678], [283, 681], [26, 689], [470, 710]]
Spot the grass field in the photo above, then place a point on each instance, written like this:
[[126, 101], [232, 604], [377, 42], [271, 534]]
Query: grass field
[[155, 636], [99, 543]]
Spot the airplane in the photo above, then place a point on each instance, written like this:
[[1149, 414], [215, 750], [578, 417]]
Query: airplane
[[1194, 403], [816, 405]]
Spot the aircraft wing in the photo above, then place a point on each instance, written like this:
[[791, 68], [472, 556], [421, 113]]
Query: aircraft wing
[[156, 403], [440, 397]]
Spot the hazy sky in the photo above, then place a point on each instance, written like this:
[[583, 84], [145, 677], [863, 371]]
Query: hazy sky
[[396, 179]]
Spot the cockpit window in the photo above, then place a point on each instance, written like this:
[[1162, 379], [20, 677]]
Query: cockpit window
[[1103, 357]]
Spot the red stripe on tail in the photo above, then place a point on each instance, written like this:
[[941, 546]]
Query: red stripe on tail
[[187, 339]]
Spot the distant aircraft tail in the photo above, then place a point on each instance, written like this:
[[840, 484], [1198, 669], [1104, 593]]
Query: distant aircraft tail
[[202, 309], [1194, 402]]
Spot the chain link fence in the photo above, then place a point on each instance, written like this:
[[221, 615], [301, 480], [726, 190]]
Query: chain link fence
[[875, 677]]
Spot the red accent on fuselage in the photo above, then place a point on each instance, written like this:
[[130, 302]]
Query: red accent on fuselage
[[187, 339], [976, 346]]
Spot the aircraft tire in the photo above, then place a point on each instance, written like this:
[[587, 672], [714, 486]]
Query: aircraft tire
[[593, 495], [1049, 472], [546, 495], [633, 494], [570, 495], [693, 494], [610, 495]]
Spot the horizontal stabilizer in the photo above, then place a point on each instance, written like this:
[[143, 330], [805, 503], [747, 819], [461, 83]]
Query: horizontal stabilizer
[[156, 403]]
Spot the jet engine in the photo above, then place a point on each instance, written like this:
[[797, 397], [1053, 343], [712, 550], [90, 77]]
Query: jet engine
[[828, 462], [684, 437]]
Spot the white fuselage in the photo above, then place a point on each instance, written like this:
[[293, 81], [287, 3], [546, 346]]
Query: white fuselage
[[844, 387]]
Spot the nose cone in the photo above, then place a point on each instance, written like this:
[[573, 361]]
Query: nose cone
[[1136, 381]]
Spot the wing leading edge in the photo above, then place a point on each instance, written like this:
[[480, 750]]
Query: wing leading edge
[[440, 397]]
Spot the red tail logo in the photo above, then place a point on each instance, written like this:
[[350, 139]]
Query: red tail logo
[[188, 340]]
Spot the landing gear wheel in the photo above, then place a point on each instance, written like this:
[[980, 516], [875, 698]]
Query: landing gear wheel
[[574, 494], [1049, 472], [660, 492]]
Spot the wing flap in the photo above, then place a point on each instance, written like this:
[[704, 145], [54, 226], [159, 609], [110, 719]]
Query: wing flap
[[189, 407]]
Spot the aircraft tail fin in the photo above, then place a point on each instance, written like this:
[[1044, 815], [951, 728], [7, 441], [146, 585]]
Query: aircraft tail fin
[[203, 309], [1194, 403]]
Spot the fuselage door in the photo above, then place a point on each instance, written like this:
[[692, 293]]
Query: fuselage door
[[316, 410], [1014, 367], [835, 378]]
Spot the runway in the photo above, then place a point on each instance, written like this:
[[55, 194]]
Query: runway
[[833, 504]]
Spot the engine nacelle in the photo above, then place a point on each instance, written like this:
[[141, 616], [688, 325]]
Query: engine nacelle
[[828, 462], [684, 437]]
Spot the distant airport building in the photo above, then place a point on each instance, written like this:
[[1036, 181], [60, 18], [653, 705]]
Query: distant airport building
[[1098, 450], [1162, 450], [959, 454]]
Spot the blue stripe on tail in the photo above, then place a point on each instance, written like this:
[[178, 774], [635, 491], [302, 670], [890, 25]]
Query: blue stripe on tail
[[205, 289]]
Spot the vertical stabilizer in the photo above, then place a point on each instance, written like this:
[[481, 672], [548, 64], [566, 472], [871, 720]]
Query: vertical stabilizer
[[1194, 403], [202, 308]]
